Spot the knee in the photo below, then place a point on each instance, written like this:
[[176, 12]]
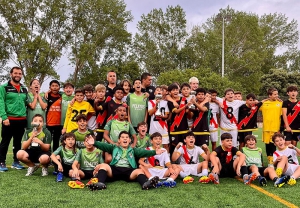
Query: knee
[[20, 154], [104, 166], [44, 159]]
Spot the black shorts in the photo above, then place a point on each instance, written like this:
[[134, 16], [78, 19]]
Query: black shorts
[[227, 170], [242, 135], [121, 173], [176, 138], [67, 169], [261, 171], [291, 136], [34, 155], [88, 174], [201, 139]]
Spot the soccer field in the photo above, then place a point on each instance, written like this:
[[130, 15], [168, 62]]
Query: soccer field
[[16, 190]]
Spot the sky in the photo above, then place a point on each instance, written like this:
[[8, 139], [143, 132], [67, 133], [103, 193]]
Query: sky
[[197, 11]]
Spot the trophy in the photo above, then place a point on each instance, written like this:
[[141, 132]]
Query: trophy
[[35, 126], [192, 93], [158, 97]]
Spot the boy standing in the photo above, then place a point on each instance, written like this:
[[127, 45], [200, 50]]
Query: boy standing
[[291, 116], [36, 147], [89, 93], [79, 107], [67, 97], [82, 130], [228, 161], [214, 118]]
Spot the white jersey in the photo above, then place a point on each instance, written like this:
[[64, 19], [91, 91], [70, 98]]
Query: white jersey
[[158, 125], [192, 153], [160, 160], [229, 114], [190, 121], [290, 153], [214, 109]]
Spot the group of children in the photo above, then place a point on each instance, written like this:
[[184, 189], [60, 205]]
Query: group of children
[[105, 138]]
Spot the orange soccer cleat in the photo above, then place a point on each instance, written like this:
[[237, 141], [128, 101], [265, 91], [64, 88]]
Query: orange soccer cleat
[[92, 180], [188, 179], [204, 179]]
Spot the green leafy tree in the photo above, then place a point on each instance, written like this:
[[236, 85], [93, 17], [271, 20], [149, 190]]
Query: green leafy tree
[[34, 33], [159, 39], [100, 37]]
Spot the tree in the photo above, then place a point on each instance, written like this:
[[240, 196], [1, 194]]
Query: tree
[[207, 79], [100, 37], [159, 39], [280, 79], [34, 33]]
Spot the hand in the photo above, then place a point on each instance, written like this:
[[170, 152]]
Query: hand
[[175, 104], [60, 168], [133, 145], [46, 94], [146, 95], [204, 147], [72, 102], [288, 128], [179, 145], [96, 169], [6, 122], [34, 133], [215, 170], [172, 172], [36, 140], [291, 146], [159, 151], [148, 166], [238, 171], [278, 159], [63, 130], [75, 173], [90, 140], [94, 96]]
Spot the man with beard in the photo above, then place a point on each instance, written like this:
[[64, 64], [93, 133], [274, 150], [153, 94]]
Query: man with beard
[[13, 102], [111, 83]]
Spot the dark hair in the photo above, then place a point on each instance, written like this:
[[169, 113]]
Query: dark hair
[[38, 115], [136, 80], [123, 82], [277, 135], [66, 84], [111, 71], [145, 75], [79, 90], [189, 133], [271, 90], [200, 90], [251, 95], [226, 136], [228, 90], [81, 116], [88, 135], [17, 68], [185, 85], [248, 137], [155, 134], [64, 137], [172, 87], [88, 88], [238, 93], [54, 81], [123, 132], [119, 88], [143, 123], [291, 88], [211, 91], [32, 81]]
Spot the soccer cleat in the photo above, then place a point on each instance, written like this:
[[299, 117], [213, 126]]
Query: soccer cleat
[[249, 178], [17, 165], [279, 172], [3, 167], [97, 186], [204, 179], [44, 171], [213, 177], [291, 181], [281, 181], [59, 177], [151, 183], [31, 170], [263, 181], [76, 184], [169, 184], [92, 180], [159, 184], [188, 179]]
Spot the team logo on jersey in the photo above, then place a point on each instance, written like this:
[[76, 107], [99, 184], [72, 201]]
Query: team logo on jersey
[[130, 155], [182, 102], [125, 125], [253, 108], [150, 90]]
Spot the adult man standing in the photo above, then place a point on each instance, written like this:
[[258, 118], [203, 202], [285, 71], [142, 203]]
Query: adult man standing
[[111, 83], [146, 79], [13, 102]]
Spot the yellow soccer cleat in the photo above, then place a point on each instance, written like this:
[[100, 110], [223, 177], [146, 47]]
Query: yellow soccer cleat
[[76, 184], [204, 179], [92, 180], [188, 179], [292, 181]]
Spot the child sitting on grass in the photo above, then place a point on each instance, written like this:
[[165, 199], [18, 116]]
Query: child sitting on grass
[[64, 156], [188, 156], [228, 161], [85, 163], [36, 147], [123, 165], [155, 165], [143, 138], [285, 159], [254, 163]]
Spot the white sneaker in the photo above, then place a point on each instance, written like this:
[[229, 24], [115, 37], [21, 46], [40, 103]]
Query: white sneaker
[[44, 171], [31, 170]]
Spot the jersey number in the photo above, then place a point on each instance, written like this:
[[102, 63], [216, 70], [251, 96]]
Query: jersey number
[[229, 114], [76, 113]]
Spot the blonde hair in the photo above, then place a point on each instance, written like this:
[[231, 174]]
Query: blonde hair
[[100, 87]]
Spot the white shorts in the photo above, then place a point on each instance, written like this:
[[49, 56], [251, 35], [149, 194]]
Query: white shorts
[[214, 136], [234, 134], [291, 169], [165, 140], [190, 169], [160, 172]]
